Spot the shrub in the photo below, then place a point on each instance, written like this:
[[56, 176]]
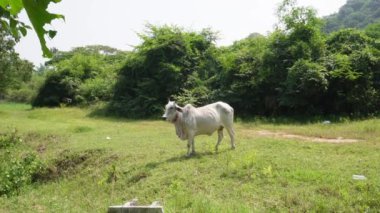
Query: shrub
[[347, 41], [96, 89], [161, 67], [16, 170], [306, 84], [352, 68], [59, 87], [27, 90], [9, 139], [80, 76], [17, 173], [22, 95]]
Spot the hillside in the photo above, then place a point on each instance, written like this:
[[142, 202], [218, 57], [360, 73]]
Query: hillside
[[354, 14]]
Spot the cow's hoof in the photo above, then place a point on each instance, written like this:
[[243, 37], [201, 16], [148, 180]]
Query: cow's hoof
[[190, 154], [233, 148]]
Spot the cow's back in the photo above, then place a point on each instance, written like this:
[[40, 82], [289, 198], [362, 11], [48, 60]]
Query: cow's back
[[207, 119]]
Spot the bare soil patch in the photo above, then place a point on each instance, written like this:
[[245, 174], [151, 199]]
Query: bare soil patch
[[267, 133]]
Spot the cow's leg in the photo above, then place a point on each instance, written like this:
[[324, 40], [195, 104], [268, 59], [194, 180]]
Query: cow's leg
[[190, 145], [231, 132], [220, 137]]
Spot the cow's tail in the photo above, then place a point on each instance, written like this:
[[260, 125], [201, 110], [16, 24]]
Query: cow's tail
[[231, 114], [228, 120]]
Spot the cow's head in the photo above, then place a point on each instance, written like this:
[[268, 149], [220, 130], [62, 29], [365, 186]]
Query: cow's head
[[171, 110]]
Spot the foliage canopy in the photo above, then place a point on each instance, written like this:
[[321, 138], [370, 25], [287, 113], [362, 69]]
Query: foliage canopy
[[297, 69]]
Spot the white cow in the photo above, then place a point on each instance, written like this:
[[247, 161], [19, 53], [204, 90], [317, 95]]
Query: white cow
[[190, 121]]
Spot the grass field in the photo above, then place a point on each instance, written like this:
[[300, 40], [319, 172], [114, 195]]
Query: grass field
[[91, 163]]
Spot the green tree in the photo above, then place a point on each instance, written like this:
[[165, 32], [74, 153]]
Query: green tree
[[352, 66], [238, 79], [297, 37], [347, 41], [306, 85], [27, 91], [13, 70], [80, 76], [169, 62], [373, 31]]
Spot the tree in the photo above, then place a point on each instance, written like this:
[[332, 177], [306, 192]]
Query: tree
[[347, 41], [352, 70], [81, 76], [373, 31], [38, 16], [169, 62], [237, 82], [13, 70], [297, 37], [306, 85]]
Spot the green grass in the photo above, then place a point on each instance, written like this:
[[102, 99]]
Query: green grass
[[145, 160]]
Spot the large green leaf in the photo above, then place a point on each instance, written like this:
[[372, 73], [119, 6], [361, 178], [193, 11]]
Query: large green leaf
[[14, 6], [39, 16]]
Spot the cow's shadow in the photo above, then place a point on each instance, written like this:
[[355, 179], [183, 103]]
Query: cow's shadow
[[197, 155]]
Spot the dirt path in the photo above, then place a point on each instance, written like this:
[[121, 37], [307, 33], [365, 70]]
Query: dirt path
[[267, 133]]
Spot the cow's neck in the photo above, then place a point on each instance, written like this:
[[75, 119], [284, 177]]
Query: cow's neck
[[179, 126], [175, 117]]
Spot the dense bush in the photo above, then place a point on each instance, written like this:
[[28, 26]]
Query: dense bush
[[59, 87], [306, 85], [373, 30], [17, 173], [9, 139], [297, 37], [27, 91], [96, 89], [169, 62], [347, 41], [13, 70], [16, 169], [237, 82], [80, 76], [352, 73]]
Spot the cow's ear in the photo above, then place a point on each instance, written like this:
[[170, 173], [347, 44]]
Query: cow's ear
[[178, 108]]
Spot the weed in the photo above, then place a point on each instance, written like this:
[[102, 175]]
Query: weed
[[9, 139], [18, 173]]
